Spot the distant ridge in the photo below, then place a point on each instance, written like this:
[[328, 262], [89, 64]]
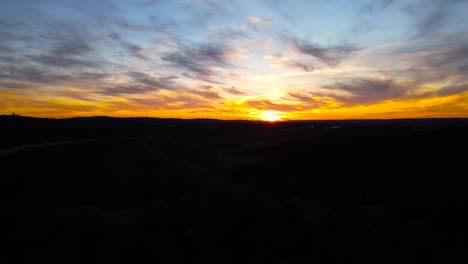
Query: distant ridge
[[437, 119]]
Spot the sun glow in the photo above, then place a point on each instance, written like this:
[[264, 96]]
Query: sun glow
[[270, 115]]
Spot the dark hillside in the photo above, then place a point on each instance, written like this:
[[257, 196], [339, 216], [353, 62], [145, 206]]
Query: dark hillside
[[237, 191]]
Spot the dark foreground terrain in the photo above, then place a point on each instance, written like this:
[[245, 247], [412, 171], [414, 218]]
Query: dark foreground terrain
[[140, 190]]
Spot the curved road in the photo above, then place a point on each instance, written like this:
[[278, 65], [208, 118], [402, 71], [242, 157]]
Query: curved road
[[12, 150]]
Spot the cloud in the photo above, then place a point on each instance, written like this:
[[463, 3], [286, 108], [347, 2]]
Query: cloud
[[233, 90], [205, 78], [141, 83], [305, 66], [6, 48], [173, 101], [332, 56], [206, 94], [78, 94], [306, 100], [463, 69], [433, 69], [386, 3], [226, 35], [131, 48], [432, 15], [210, 8], [14, 84], [450, 90], [44, 106], [265, 104], [5, 23], [76, 46], [445, 59], [375, 6], [199, 59], [258, 20], [204, 91], [452, 57], [165, 82], [33, 77], [91, 76], [61, 61], [148, 3], [255, 22], [445, 91], [301, 97], [126, 89], [69, 50], [281, 10], [11, 34], [368, 90]]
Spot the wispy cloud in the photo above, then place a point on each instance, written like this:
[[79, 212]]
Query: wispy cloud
[[313, 56], [256, 22], [432, 16], [266, 104], [132, 49], [32, 75], [141, 83], [331, 55], [199, 59], [376, 5], [37, 77], [366, 91], [233, 90], [61, 61]]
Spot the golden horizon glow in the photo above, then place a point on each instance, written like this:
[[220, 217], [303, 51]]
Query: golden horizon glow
[[434, 107]]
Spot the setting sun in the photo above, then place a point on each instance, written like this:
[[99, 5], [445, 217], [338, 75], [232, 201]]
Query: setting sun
[[270, 115]]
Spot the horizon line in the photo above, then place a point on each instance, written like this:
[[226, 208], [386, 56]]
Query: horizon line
[[250, 120]]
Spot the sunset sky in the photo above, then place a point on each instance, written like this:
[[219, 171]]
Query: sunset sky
[[234, 59]]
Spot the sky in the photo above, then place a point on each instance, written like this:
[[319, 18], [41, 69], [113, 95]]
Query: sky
[[266, 59]]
